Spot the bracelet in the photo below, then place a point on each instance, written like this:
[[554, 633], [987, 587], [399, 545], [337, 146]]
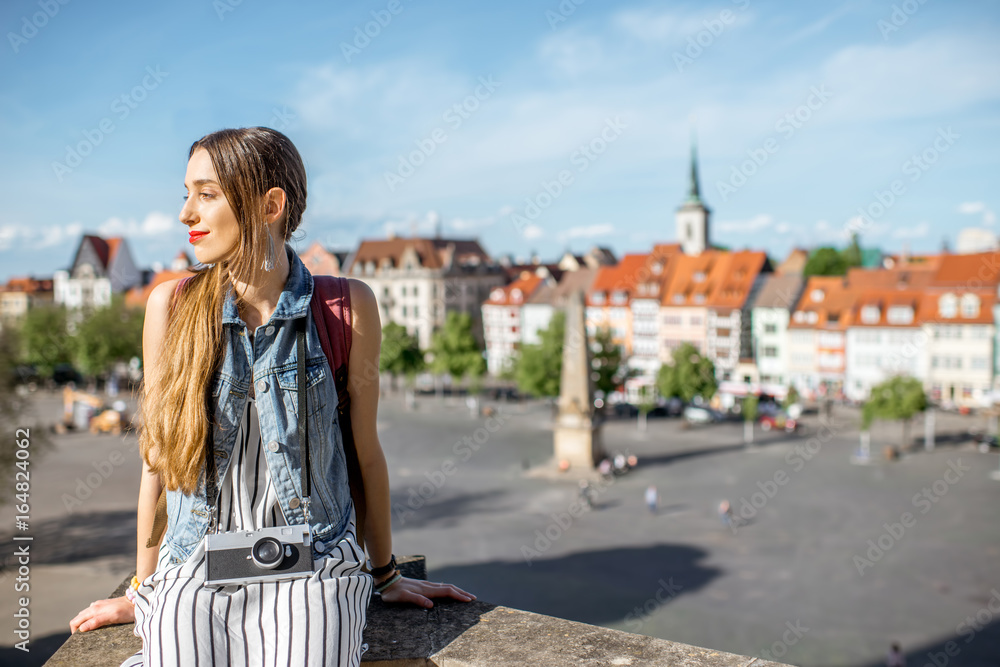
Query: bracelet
[[130, 591], [385, 569], [388, 582]]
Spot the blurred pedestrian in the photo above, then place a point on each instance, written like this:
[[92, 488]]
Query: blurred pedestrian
[[652, 498], [726, 514], [895, 657]]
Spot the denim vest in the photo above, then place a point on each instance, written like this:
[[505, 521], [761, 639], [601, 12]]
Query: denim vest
[[270, 364]]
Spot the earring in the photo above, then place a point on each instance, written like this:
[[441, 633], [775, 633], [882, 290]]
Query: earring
[[270, 256]]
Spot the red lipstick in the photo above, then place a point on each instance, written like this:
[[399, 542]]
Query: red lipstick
[[194, 236]]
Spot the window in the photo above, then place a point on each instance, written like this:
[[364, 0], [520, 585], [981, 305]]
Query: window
[[817, 295], [672, 320], [970, 305], [415, 292], [699, 276], [948, 306], [416, 311], [404, 311], [770, 351], [619, 297], [770, 328], [980, 363], [900, 315], [404, 290], [699, 298], [678, 298], [870, 314], [385, 292], [695, 320], [597, 298], [813, 317]]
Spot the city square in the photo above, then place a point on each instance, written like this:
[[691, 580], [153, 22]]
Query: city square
[[479, 498]]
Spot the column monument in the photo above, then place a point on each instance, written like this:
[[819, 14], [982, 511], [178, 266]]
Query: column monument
[[577, 438]]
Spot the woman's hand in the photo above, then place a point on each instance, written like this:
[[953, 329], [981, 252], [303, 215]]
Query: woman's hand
[[419, 592], [103, 612]]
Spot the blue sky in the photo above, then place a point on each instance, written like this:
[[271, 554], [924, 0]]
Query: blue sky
[[838, 97]]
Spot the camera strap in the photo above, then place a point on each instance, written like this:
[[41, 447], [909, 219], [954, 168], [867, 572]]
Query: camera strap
[[300, 333], [211, 472]]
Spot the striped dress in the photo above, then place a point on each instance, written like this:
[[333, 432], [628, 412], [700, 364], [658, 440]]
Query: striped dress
[[315, 620]]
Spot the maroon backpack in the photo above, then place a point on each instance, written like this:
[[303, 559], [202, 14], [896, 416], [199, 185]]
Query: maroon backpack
[[331, 310]]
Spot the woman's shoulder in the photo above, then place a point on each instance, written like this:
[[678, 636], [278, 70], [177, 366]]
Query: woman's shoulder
[[361, 293], [162, 295], [364, 307]]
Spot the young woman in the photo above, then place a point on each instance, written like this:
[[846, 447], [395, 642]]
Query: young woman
[[220, 353]]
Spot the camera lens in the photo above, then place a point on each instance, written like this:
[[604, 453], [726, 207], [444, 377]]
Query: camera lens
[[267, 553]]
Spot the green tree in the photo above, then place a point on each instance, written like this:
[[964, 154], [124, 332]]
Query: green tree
[[852, 253], [825, 262], [538, 368], [400, 353], [688, 376], [106, 336], [791, 398], [45, 340], [15, 417], [898, 398], [607, 362], [455, 349]]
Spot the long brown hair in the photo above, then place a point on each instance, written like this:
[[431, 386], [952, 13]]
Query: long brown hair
[[176, 406]]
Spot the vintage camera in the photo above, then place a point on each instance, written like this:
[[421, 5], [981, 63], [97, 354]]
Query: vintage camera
[[267, 554]]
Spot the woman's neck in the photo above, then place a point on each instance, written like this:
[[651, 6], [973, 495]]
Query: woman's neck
[[259, 295]]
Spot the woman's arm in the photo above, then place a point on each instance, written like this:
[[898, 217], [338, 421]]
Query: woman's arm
[[120, 610], [362, 384]]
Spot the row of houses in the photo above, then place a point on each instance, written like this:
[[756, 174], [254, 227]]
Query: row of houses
[[767, 328]]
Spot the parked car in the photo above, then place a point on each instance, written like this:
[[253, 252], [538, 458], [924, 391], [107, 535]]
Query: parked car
[[699, 414], [778, 421]]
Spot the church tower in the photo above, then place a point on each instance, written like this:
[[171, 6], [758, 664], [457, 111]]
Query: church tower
[[692, 216]]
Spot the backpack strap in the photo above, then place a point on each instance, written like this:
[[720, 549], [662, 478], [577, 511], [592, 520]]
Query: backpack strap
[[331, 310]]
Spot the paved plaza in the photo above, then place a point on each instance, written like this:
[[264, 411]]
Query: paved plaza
[[830, 563]]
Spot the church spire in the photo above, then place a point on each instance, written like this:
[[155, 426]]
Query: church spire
[[694, 194]]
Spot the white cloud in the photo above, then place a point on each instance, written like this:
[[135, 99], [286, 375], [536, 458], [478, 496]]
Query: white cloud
[[533, 232], [755, 224], [153, 225], [819, 26], [658, 27], [587, 231], [926, 77], [14, 236], [971, 207], [918, 231]]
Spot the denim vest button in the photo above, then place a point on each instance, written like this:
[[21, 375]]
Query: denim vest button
[[293, 503], [273, 445], [269, 331], [261, 386]]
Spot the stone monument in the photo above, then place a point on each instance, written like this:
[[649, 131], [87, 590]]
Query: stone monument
[[577, 438]]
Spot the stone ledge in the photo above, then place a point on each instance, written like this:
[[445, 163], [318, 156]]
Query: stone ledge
[[455, 634]]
